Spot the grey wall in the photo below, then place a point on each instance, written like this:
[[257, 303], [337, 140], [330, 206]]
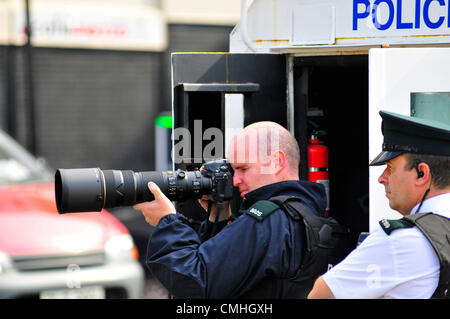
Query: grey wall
[[95, 108]]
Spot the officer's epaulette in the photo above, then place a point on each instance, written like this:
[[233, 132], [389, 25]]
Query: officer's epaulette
[[261, 209], [389, 225]]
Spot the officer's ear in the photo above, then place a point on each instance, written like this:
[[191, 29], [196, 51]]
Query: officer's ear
[[419, 172], [423, 173]]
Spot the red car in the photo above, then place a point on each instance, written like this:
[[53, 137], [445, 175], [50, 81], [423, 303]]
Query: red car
[[47, 255]]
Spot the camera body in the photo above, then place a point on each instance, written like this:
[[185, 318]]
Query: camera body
[[221, 175], [92, 189]]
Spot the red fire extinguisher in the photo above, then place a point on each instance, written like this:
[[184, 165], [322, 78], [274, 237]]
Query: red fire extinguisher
[[318, 165]]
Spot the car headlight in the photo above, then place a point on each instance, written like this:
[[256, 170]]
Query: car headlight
[[121, 248], [5, 263]]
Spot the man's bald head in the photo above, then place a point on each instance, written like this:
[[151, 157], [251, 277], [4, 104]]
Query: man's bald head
[[260, 140]]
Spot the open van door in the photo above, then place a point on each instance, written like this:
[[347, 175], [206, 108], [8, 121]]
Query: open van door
[[215, 95], [408, 81], [226, 92]]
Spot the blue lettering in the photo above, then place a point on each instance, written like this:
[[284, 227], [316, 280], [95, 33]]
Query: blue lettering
[[362, 9], [417, 25], [400, 24], [448, 15], [426, 16], [360, 15], [376, 23]]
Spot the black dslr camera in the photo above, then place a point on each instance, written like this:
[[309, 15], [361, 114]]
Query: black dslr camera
[[92, 189]]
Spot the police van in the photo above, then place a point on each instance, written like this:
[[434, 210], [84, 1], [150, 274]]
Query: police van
[[323, 69]]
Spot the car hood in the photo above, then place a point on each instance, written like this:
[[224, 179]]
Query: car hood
[[31, 225]]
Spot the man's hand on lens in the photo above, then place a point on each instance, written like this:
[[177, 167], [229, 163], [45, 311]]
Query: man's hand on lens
[[161, 206], [225, 211]]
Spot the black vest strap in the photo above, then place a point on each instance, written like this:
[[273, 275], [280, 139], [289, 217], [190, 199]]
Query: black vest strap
[[323, 245], [436, 229]]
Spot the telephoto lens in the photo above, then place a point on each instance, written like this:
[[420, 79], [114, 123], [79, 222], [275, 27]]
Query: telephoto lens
[[92, 189]]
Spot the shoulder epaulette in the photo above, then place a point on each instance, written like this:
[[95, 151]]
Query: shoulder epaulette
[[261, 209], [389, 225]]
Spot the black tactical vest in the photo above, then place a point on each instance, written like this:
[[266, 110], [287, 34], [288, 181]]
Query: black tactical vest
[[436, 229], [326, 244]]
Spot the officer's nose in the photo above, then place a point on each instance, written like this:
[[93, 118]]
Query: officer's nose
[[383, 177]]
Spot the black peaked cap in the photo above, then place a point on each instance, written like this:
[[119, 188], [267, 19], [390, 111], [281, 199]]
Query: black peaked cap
[[413, 135]]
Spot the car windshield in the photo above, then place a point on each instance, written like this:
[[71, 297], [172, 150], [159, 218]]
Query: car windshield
[[18, 166]]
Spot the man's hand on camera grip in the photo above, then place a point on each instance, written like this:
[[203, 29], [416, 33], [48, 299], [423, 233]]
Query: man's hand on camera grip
[[153, 211]]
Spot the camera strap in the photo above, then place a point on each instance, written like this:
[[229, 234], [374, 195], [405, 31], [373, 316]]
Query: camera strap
[[218, 211]]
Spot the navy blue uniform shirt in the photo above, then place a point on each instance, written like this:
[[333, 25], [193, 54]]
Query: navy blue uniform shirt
[[240, 255]]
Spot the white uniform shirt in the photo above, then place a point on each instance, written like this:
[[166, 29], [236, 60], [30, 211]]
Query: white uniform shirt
[[400, 265]]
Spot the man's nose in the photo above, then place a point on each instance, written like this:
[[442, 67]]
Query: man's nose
[[236, 179], [383, 177]]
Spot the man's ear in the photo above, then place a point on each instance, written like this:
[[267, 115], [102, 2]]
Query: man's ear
[[423, 174], [276, 163], [280, 160]]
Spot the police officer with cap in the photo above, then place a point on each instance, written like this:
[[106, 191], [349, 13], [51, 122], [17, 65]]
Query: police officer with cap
[[408, 257]]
